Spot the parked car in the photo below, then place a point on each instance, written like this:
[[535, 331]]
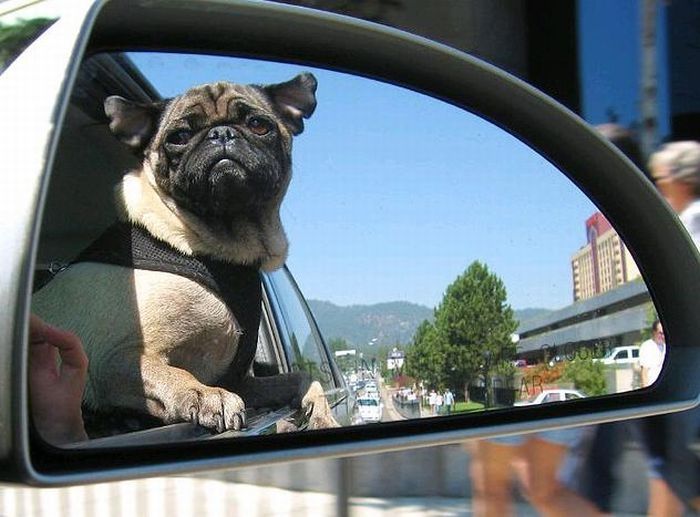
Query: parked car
[[370, 408], [552, 395], [621, 355]]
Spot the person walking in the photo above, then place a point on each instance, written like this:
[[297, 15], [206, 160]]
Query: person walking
[[432, 399], [674, 468], [675, 169], [449, 400], [651, 355]]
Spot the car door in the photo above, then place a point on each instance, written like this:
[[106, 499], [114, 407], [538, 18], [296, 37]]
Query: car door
[[302, 343]]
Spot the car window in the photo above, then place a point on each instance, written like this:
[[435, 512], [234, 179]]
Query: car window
[[571, 396], [302, 340], [622, 354], [635, 353]]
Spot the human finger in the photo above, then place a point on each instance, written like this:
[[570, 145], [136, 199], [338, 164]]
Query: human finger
[[36, 329], [42, 357], [69, 347]]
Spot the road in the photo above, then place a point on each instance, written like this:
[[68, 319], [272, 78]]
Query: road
[[389, 414]]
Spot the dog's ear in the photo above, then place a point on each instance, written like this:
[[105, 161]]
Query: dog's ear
[[295, 100], [133, 123]]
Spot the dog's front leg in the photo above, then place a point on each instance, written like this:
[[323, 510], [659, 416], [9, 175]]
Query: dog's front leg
[[315, 405], [175, 395]]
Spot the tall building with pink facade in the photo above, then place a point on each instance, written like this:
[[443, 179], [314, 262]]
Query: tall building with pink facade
[[603, 263]]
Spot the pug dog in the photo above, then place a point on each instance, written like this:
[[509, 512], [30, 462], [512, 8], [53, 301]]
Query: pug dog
[[205, 201]]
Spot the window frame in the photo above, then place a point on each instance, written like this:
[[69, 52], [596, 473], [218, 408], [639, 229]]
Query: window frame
[[281, 322]]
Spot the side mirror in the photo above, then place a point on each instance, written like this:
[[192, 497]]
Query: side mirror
[[30, 201]]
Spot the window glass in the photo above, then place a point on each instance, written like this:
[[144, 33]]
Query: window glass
[[267, 361], [303, 341]]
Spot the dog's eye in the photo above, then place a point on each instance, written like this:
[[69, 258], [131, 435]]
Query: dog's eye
[[180, 137], [260, 126]]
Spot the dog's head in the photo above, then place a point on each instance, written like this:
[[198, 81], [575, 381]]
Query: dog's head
[[220, 151]]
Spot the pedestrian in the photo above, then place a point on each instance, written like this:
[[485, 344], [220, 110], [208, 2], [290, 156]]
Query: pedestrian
[[595, 476], [438, 403], [432, 399], [449, 399], [536, 461], [651, 355], [675, 169], [674, 468]]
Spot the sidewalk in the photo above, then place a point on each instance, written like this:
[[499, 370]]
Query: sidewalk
[[181, 497], [188, 497]]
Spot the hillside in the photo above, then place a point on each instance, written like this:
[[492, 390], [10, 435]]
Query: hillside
[[389, 323]]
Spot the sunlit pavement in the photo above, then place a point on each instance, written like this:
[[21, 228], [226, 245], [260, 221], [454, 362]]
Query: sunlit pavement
[[175, 497], [390, 414], [420, 506]]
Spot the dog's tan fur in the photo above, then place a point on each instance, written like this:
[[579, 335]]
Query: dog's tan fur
[[157, 342], [140, 201]]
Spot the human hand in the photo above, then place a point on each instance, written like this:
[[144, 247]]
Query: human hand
[[57, 375]]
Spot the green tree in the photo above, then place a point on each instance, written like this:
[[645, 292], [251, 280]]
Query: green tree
[[338, 343], [587, 375], [476, 323], [425, 359], [470, 337]]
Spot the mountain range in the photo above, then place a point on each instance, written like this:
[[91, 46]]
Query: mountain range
[[388, 323]]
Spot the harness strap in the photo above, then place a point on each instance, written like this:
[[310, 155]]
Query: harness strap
[[239, 287]]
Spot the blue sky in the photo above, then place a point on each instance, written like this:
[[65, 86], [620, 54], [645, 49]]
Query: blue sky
[[610, 58], [394, 194]]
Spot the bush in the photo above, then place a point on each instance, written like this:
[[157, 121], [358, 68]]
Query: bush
[[543, 374], [587, 375]]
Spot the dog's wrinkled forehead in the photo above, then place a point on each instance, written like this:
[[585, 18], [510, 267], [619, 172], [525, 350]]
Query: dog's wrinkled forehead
[[140, 125], [218, 103]]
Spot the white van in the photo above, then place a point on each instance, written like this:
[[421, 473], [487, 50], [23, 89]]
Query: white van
[[622, 355]]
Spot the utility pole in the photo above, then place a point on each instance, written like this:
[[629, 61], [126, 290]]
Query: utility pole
[[649, 79]]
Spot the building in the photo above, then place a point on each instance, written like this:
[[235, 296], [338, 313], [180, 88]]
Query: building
[[604, 263], [617, 317], [395, 360]]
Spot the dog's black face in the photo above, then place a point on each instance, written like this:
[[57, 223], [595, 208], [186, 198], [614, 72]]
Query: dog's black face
[[221, 151]]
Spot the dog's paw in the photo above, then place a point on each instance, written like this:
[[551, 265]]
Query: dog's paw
[[285, 426], [213, 408], [316, 406]]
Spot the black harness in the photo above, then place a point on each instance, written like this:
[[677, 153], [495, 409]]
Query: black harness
[[239, 287]]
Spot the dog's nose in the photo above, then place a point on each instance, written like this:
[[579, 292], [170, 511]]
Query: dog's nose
[[221, 134]]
